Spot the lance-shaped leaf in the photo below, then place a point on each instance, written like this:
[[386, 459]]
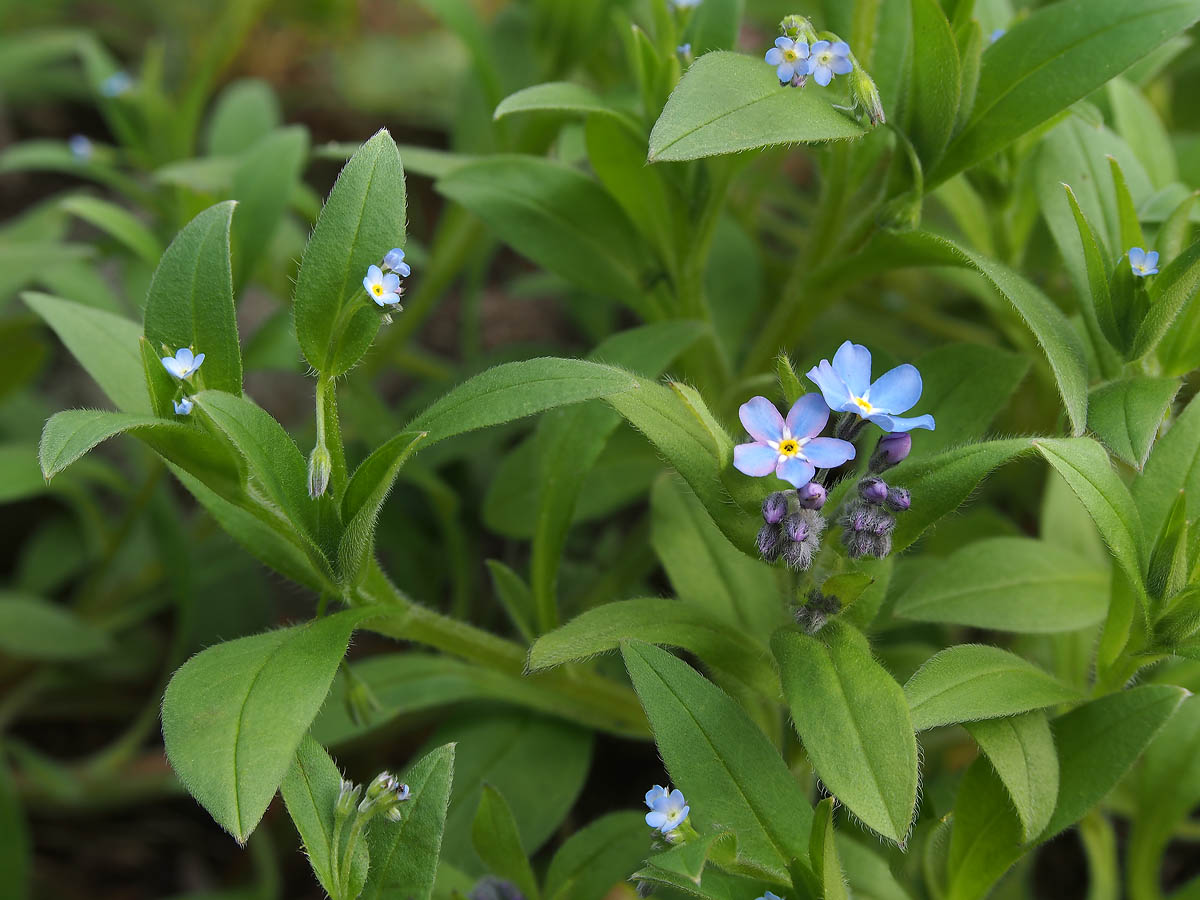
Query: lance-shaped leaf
[[263, 185], [1173, 466], [1173, 294], [936, 81], [555, 96], [1021, 750], [1125, 414], [31, 628], [498, 843], [595, 858]]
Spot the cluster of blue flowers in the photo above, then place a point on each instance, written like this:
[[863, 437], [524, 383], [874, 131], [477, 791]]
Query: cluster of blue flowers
[[183, 366], [382, 282], [795, 60]]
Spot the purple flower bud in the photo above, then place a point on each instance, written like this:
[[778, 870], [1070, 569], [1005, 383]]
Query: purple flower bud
[[891, 449], [774, 507], [858, 544], [898, 499], [795, 528], [883, 524], [812, 496], [769, 543], [873, 489]]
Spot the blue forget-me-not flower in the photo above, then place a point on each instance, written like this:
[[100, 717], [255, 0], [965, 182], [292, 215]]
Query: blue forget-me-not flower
[[80, 147], [788, 447], [996, 35], [667, 811], [828, 59], [1143, 262], [183, 406], [770, 896], [847, 387], [685, 4], [116, 84], [789, 57], [395, 261], [183, 364], [384, 289]]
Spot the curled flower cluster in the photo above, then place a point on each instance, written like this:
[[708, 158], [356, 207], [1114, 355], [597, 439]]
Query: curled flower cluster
[[869, 519], [792, 527], [816, 610], [183, 366], [382, 282], [799, 53]]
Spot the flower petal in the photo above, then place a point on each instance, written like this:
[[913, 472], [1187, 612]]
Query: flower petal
[[1152, 258], [896, 390], [796, 470], [833, 388], [174, 366], [184, 355], [828, 453], [900, 423], [198, 361], [840, 48], [761, 419], [785, 71], [783, 42], [656, 819], [842, 66], [774, 56], [391, 281], [755, 460], [819, 46], [374, 273], [654, 793], [801, 48], [852, 361], [807, 417], [1137, 256], [403, 268], [677, 800], [822, 75]]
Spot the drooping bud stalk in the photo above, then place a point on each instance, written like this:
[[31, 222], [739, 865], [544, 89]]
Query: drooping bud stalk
[[865, 94], [320, 468], [812, 496], [891, 450]]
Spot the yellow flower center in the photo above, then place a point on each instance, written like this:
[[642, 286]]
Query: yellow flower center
[[864, 406], [789, 447], [378, 289], [825, 58], [790, 55]]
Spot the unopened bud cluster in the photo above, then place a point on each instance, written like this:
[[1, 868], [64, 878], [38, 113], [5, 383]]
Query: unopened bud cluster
[[868, 519], [792, 526], [492, 888], [816, 610]]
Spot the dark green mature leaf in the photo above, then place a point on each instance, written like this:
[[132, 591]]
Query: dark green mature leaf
[[1010, 584], [936, 81], [986, 835], [558, 217], [361, 221], [234, 714], [1125, 414], [973, 681], [1021, 750], [1100, 741], [494, 835], [1097, 298], [105, 344], [727, 102], [404, 856], [854, 722], [595, 858], [310, 789], [1172, 295], [555, 96], [16, 850], [1086, 468], [1173, 466], [1051, 59], [965, 386], [672, 623], [263, 185], [725, 766], [40, 630], [190, 301]]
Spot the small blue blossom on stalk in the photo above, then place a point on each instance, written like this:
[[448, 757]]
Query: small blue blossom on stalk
[[996, 35], [829, 59], [80, 147], [668, 811], [770, 896], [116, 84], [384, 289], [847, 387], [788, 447], [395, 261], [790, 59], [655, 793], [183, 364], [183, 406], [1143, 262]]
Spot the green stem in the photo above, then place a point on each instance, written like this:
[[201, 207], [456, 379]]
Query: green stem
[[343, 885], [335, 853], [1100, 845]]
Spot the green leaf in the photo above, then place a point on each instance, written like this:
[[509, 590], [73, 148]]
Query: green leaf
[[1097, 300], [727, 102], [16, 850], [725, 766], [494, 834], [117, 222], [867, 872], [246, 111], [1139, 124], [515, 596], [1051, 59], [595, 858], [311, 789], [973, 681], [965, 386], [1086, 468], [361, 221], [404, 856], [854, 722], [234, 714], [672, 623], [936, 81], [1010, 584], [1173, 466], [823, 853], [555, 96], [1125, 414], [557, 217], [1021, 750], [986, 836], [714, 25], [1172, 295], [262, 186], [105, 344], [40, 630], [1100, 741]]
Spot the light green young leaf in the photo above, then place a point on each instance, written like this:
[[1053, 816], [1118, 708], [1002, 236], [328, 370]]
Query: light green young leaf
[[494, 834], [1021, 750], [1137, 121], [595, 858], [40, 630], [986, 835], [118, 223], [555, 96], [854, 722], [725, 766], [727, 102], [714, 25], [245, 111], [867, 872], [1173, 466], [190, 301], [973, 681], [1125, 414], [262, 186], [234, 714], [361, 221], [514, 595], [1010, 584], [310, 789], [823, 853], [936, 81], [404, 856], [1096, 298]]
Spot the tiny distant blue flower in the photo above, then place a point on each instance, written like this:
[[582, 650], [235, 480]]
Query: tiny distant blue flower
[[80, 147], [384, 289], [116, 84], [395, 261], [847, 387], [1143, 262], [788, 447], [997, 34], [790, 58], [683, 49], [769, 896], [183, 406], [668, 811], [685, 4], [183, 363], [828, 60]]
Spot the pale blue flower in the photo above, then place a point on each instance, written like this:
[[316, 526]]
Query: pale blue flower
[[790, 58], [183, 406], [685, 4], [116, 84], [827, 60], [847, 387], [384, 289], [1143, 262], [395, 261], [668, 811], [788, 447], [996, 35], [654, 794], [183, 363], [684, 49], [80, 147], [770, 896]]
